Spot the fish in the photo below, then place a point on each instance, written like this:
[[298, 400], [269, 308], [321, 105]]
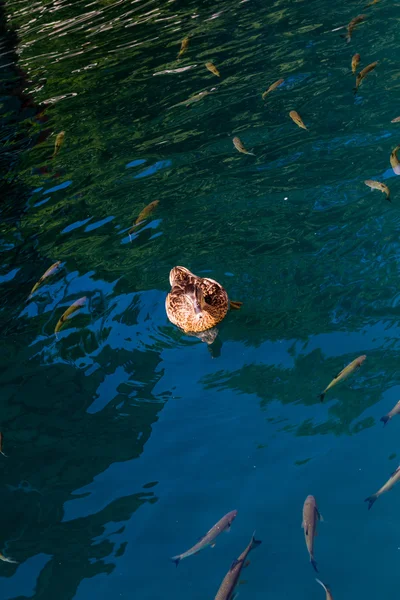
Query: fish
[[344, 373], [144, 214], [231, 579], [311, 515], [58, 143], [395, 411], [393, 479], [184, 46], [213, 69], [362, 74], [239, 146], [396, 120], [272, 88], [1, 445], [352, 25], [73, 308], [327, 590], [208, 539], [377, 185], [394, 161], [372, 3], [355, 61], [50, 271], [194, 98], [9, 560], [297, 119]]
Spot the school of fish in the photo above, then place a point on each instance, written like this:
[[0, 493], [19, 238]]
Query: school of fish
[[310, 515]]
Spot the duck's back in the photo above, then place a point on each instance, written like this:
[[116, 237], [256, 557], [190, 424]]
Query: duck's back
[[180, 309]]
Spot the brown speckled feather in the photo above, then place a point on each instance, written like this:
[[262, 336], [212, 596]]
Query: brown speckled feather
[[180, 310]]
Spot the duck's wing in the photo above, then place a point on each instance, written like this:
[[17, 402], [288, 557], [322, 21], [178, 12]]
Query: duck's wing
[[214, 293], [181, 275], [176, 295], [176, 305]]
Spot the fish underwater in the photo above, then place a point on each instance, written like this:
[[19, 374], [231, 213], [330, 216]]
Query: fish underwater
[[394, 478], [352, 25], [227, 587], [184, 46], [395, 411], [9, 560], [344, 374], [73, 308], [194, 98], [396, 120], [209, 538], [394, 161], [297, 119], [362, 74], [58, 143], [327, 590], [237, 142], [272, 88], [355, 61], [377, 185], [146, 212], [46, 274], [213, 69], [311, 516]]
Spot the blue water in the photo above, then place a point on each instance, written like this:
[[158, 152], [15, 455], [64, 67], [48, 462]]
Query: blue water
[[126, 440]]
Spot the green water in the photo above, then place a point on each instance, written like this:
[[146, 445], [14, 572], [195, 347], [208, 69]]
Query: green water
[[125, 439]]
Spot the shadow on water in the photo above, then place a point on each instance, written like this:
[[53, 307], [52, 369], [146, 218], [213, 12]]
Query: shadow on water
[[54, 447], [57, 444]]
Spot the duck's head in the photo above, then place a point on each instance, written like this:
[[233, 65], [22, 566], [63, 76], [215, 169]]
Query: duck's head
[[195, 297]]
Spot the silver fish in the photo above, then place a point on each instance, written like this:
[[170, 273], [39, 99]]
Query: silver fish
[[343, 374], [377, 185], [327, 590], [50, 271], [227, 587], [208, 539], [73, 308], [393, 479], [395, 411], [237, 142], [194, 98], [311, 516], [6, 559]]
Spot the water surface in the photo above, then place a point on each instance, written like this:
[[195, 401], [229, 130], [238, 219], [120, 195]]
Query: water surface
[[126, 439]]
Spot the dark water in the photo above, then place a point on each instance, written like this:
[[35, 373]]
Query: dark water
[[127, 440]]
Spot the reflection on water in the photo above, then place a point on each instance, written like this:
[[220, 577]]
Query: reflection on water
[[93, 504]]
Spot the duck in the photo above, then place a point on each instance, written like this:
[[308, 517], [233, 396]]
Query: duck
[[196, 304]]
